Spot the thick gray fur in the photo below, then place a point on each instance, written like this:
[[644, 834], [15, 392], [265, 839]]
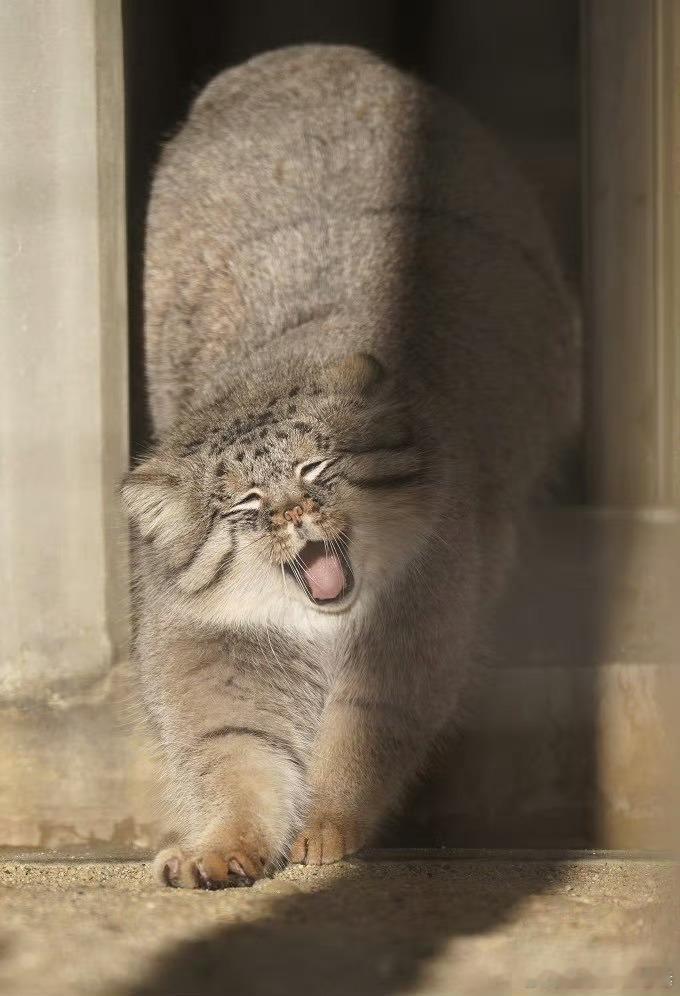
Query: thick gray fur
[[340, 265]]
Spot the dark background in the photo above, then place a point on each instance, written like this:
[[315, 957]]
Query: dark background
[[514, 63]]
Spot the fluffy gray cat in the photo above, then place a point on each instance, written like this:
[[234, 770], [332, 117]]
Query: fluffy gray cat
[[361, 359]]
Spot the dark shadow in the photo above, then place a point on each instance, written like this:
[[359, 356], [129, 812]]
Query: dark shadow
[[372, 932]]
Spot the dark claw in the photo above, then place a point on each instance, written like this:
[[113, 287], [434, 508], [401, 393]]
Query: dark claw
[[171, 872], [236, 881]]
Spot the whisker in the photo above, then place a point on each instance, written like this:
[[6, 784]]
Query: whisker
[[258, 539], [297, 565], [342, 554], [296, 572], [271, 647], [343, 541], [440, 539]]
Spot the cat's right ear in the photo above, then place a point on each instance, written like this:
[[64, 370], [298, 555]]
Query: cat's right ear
[[155, 502], [358, 373]]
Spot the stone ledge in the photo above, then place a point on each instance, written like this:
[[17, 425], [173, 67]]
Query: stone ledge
[[369, 927]]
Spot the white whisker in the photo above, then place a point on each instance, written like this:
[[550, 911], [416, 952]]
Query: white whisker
[[293, 564], [258, 539]]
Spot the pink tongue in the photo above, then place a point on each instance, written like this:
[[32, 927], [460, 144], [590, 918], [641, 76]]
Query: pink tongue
[[324, 575]]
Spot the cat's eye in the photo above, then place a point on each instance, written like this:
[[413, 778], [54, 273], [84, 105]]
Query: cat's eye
[[311, 470], [251, 500]]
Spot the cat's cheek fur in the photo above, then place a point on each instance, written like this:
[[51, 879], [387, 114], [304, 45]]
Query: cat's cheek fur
[[209, 562]]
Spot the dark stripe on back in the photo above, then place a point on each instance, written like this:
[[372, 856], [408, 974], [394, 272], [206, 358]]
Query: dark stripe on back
[[389, 481], [401, 447], [373, 705], [270, 739]]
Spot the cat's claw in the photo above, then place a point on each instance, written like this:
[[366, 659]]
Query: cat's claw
[[208, 870], [324, 842]]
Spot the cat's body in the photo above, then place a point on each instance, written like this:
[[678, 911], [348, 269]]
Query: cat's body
[[361, 355]]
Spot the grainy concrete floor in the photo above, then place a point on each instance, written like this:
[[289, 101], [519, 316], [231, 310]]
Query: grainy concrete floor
[[391, 923]]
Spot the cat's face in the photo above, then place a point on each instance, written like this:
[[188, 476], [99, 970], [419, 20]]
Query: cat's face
[[299, 491]]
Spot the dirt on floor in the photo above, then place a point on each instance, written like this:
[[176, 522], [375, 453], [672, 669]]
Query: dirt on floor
[[387, 924]]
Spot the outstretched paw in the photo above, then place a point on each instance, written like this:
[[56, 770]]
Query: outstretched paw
[[207, 869], [324, 842]]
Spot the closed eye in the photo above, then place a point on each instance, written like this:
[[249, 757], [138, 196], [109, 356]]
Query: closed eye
[[250, 501], [310, 471]]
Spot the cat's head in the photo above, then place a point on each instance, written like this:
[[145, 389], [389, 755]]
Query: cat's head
[[308, 485]]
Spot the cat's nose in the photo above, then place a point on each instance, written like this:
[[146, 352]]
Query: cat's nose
[[294, 514]]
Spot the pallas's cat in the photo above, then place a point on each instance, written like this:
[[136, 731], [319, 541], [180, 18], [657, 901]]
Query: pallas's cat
[[361, 359]]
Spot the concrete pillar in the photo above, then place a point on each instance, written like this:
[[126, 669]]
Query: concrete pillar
[[63, 373], [631, 74], [69, 771]]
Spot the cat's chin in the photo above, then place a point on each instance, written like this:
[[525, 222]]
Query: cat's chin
[[339, 605]]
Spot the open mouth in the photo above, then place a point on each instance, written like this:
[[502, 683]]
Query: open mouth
[[324, 573]]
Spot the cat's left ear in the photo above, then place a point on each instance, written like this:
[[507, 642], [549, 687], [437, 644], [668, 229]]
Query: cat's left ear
[[358, 373], [156, 503]]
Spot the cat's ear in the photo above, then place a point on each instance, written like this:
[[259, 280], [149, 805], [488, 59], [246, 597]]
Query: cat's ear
[[156, 503], [358, 373]]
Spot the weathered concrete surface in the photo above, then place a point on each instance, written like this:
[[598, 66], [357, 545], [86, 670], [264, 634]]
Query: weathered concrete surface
[[63, 349], [77, 771], [371, 928]]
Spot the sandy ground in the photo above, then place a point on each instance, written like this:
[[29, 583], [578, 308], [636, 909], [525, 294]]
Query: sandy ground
[[389, 923]]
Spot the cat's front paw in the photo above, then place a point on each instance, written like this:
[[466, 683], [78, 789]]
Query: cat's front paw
[[207, 869], [326, 841]]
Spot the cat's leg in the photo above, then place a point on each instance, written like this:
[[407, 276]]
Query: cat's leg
[[236, 717], [397, 689], [369, 750]]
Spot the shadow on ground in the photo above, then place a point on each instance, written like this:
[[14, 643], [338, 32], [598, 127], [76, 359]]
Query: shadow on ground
[[369, 933]]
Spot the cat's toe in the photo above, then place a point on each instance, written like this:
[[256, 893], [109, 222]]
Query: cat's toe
[[174, 868], [207, 870], [212, 869], [325, 842], [228, 870]]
